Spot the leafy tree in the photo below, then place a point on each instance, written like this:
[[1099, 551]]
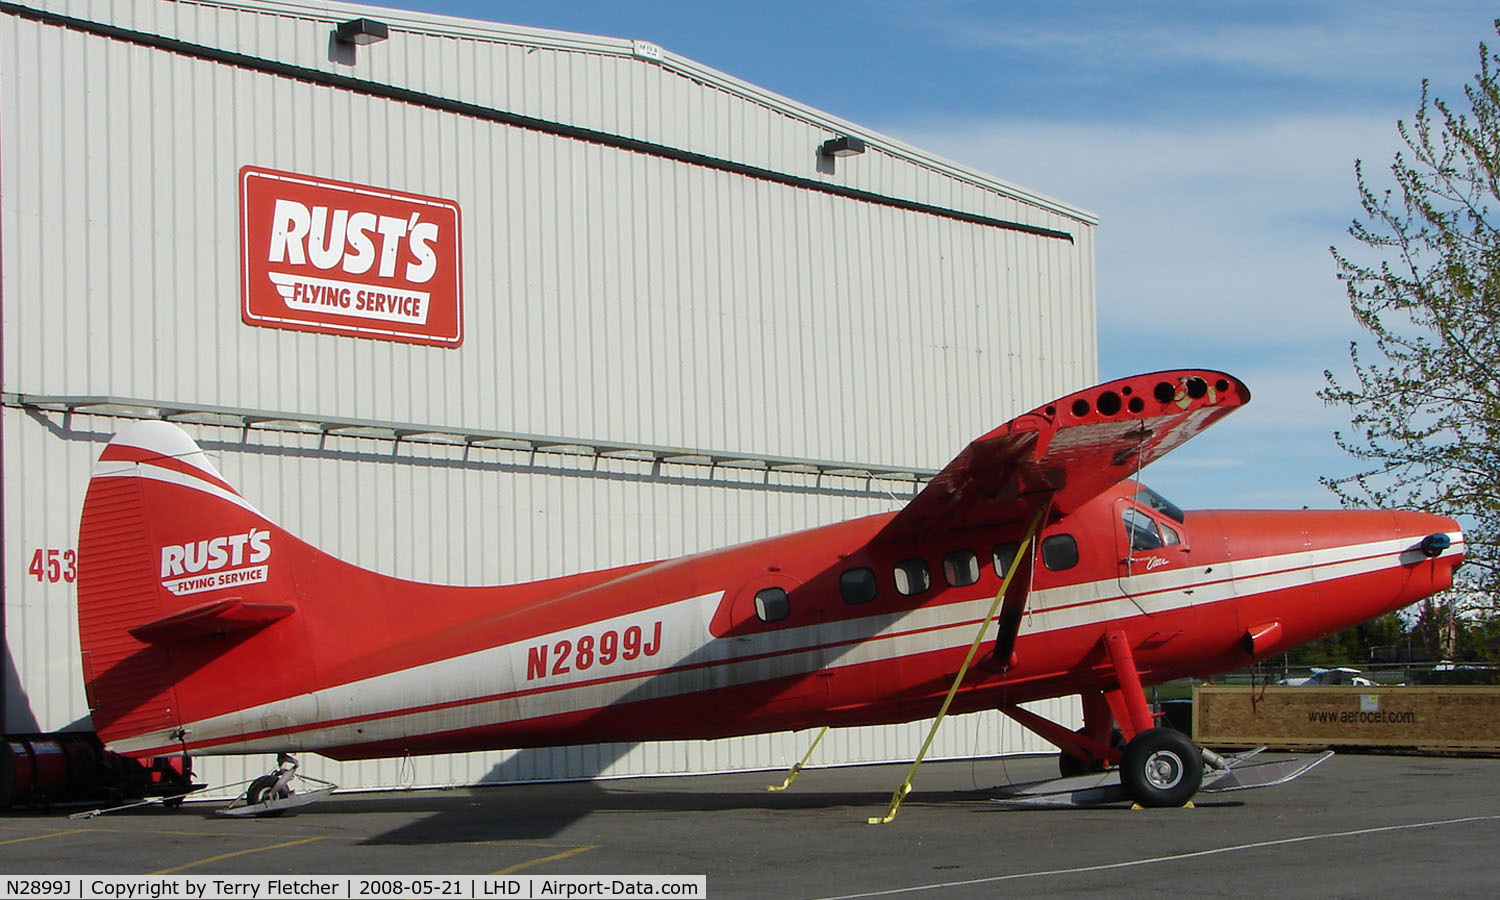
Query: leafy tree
[[1425, 405], [1480, 641], [1352, 646], [1446, 636]]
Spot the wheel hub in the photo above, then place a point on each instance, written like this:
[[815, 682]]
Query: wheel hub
[[1164, 769]]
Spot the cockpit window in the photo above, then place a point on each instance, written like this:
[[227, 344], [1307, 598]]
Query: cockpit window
[[1169, 536], [1152, 500], [1142, 529]]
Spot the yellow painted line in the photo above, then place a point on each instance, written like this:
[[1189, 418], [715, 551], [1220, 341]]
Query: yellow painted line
[[168, 832], [96, 826], [235, 853], [553, 858], [39, 837]]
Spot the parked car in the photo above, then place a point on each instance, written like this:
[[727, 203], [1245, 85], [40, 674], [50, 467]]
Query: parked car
[[1340, 675]]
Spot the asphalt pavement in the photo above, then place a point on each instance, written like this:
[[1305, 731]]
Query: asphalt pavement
[[1357, 826]]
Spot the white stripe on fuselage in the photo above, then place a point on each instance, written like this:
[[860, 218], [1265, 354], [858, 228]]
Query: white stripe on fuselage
[[501, 684]]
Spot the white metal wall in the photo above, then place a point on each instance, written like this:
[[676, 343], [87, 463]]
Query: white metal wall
[[609, 295]]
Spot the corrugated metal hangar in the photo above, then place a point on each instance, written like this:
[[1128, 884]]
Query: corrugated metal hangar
[[597, 304]]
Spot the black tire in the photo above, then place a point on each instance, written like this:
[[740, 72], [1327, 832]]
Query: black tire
[[1069, 765], [1161, 767], [263, 789]]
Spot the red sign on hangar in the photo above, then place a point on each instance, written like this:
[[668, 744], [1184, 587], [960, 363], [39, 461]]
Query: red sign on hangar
[[341, 258]]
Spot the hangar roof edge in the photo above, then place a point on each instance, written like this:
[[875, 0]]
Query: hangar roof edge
[[436, 24]]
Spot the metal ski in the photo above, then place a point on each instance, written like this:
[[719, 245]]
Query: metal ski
[[1104, 788]]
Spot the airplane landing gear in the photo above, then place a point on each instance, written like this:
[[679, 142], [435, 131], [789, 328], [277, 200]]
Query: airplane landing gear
[[1161, 767], [272, 794], [265, 789], [1158, 766], [274, 786]]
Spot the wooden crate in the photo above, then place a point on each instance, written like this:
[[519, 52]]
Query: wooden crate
[[1442, 718]]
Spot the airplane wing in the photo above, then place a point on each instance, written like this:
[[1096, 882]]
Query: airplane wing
[[1067, 452], [1058, 457]]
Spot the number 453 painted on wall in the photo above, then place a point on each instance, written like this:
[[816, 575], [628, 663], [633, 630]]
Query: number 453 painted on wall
[[52, 565]]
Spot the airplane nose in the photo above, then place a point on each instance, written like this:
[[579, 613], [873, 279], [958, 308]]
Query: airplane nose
[[1358, 564]]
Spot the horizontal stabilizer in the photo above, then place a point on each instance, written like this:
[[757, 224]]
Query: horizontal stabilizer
[[211, 619]]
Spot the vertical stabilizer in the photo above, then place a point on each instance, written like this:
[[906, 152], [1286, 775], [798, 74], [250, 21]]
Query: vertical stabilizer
[[175, 570]]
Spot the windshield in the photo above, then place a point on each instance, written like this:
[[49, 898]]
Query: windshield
[[1152, 500]]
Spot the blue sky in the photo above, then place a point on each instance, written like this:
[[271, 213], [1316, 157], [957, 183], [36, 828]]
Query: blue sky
[[1216, 141]]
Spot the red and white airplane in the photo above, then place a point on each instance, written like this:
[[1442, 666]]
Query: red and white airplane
[[208, 629]]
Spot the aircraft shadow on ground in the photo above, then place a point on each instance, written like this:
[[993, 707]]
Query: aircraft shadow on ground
[[546, 812], [542, 812]]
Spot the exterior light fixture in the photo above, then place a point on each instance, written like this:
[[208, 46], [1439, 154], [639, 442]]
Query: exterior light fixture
[[843, 145], [361, 31]]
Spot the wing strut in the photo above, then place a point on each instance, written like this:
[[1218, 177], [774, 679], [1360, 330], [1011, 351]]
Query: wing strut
[[1014, 605], [1023, 551]]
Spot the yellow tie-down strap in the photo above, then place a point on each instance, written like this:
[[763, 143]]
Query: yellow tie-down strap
[[797, 769], [963, 670]]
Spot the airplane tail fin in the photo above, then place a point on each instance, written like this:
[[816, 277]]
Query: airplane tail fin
[[176, 570]]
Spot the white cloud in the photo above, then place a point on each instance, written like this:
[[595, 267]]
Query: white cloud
[[1354, 43], [1203, 228]]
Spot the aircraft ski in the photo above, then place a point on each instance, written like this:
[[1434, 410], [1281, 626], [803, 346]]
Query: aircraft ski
[[1095, 584]]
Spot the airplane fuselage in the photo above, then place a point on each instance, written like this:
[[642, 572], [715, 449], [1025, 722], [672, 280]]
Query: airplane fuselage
[[822, 627], [207, 628]]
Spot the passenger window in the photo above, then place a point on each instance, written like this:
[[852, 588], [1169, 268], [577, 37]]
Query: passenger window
[[772, 605], [1142, 530], [912, 577], [857, 586], [1060, 552], [961, 568], [1003, 555]]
